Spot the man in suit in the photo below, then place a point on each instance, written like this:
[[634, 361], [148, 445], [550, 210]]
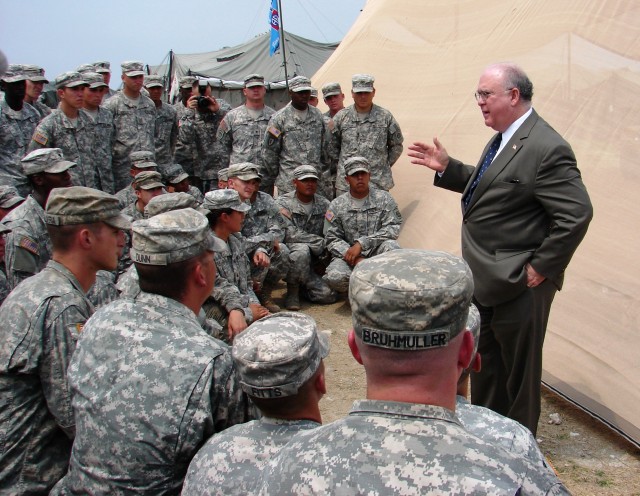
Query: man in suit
[[525, 211]]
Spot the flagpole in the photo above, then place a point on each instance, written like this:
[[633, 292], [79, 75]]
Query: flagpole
[[284, 56]]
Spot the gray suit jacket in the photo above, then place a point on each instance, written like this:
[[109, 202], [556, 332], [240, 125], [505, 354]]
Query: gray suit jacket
[[530, 206]]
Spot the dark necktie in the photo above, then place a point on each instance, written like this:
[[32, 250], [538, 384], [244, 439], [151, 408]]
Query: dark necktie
[[488, 158]]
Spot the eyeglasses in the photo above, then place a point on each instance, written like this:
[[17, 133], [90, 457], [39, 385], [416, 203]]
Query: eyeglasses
[[483, 96]]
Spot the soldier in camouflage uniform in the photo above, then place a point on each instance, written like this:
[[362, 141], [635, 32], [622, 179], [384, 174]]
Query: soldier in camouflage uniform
[[28, 245], [185, 152], [178, 181], [9, 199], [140, 161], [17, 123], [34, 85], [241, 132], [103, 68], [102, 131], [233, 302], [280, 366], [334, 99], [70, 129], [303, 213], [263, 232], [223, 178], [295, 136], [166, 133], [367, 130], [147, 382], [146, 185], [200, 126], [409, 310], [359, 224], [134, 122], [42, 321]]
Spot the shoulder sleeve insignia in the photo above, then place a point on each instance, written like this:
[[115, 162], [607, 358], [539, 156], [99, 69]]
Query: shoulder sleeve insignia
[[274, 131], [329, 216], [28, 244], [223, 126], [285, 212], [40, 139]]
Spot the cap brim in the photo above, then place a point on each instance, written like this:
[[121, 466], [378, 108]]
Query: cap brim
[[13, 79], [302, 88], [331, 93], [362, 90], [119, 221], [248, 177], [73, 84], [102, 70], [59, 167], [134, 73], [253, 84], [97, 85], [307, 176], [243, 207], [358, 169], [154, 85], [38, 79], [152, 185], [179, 178]]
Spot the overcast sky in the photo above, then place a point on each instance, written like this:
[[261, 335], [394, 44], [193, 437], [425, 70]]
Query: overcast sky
[[59, 35]]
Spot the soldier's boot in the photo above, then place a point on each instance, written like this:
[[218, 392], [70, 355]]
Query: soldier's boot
[[293, 297], [264, 295]]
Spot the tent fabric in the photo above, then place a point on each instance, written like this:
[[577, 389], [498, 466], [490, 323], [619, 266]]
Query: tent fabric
[[583, 57]]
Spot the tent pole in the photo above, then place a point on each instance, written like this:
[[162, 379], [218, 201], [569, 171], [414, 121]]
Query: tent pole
[[168, 95], [284, 56]]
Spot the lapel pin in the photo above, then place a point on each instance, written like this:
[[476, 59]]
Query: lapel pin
[[515, 147]]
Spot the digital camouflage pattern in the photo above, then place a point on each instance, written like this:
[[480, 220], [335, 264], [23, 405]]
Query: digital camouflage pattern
[[410, 449], [375, 225], [376, 137], [240, 135], [16, 130], [166, 135], [185, 152], [232, 462], [168, 202], [289, 142], [43, 318], [149, 386], [41, 109], [101, 131]]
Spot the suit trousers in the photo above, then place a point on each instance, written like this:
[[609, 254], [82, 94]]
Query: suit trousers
[[511, 338]]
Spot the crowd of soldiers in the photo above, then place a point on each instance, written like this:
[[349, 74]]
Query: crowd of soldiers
[[142, 351]]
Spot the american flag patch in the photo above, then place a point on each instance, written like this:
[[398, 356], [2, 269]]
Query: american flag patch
[[329, 216], [29, 245], [275, 132], [40, 139]]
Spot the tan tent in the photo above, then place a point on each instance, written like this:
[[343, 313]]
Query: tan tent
[[583, 57]]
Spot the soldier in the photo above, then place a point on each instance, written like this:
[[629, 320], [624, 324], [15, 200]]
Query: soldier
[[295, 136], [185, 153], [148, 383], [17, 123], [140, 161], [134, 122], [42, 321], [233, 302], [241, 131], [104, 68], [28, 245], [409, 310], [70, 129], [263, 233], [146, 185], [166, 132], [102, 131], [34, 84], [9, 199], [223, 178], [367, 130], [178, 181], [313, 98], [333, 98], [359, 224], [303, 213], [280, 366]]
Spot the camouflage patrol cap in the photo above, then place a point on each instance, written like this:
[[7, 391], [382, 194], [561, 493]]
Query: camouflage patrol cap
[[176, 174], [277, 354], [48, 160], [35, 74], [331, 89], [9, 197], [81, 205], [147, 180], [82, 68], [142, 159], [473, 325], [356, 164], [94, 79], [168, 202], [304, 172], [300, 83], [314, 93], [132, 68], [153, 80], [223, 174], [220, 199], [102, 66], [244, 170], [172, 237], [14, 73], [253, 80], [362, 83], [410, 299], [186, 81], [69, 80]]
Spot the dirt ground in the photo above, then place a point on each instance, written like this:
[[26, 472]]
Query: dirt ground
[[589, 458]]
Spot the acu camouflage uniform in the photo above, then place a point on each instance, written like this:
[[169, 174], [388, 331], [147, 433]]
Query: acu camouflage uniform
[[304, 238], [241, 135], [100, 148], [16, 129], [375, 225], [41, 109], [166, 135], [411, 449], [185, 153], [290, 142], [42, 320], [133, 130], [377, 137]]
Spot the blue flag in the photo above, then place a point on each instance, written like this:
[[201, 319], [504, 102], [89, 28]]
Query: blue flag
[[274, 20]]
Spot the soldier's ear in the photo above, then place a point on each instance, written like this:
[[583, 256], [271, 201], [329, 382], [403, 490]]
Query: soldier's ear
[[353, 346]]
